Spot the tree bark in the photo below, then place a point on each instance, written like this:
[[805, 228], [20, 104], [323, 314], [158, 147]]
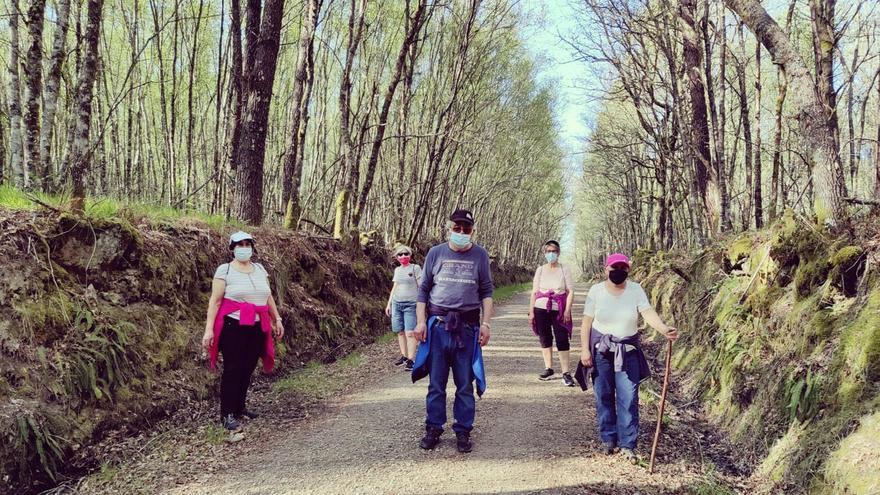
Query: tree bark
[[248, 204], [757, 197], [747, 131], [726, 222], [293, 158], [17, 166], [778, 174], [53, 84], [33, 75], [877, 141], [80, 152]]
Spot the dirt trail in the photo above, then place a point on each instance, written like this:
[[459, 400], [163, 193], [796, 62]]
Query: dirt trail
[[529, 437]]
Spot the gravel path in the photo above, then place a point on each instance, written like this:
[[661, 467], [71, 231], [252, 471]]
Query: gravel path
[[529, 437]]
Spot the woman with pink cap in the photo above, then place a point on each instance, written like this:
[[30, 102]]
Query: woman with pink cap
[[611, 347]]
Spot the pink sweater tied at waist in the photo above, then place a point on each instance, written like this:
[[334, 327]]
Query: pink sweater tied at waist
[[247, 316], [561, 299]]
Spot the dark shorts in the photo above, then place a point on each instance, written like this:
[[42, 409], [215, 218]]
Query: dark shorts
[[547, 327]]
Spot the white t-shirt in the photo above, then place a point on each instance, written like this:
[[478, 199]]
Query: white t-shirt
[[546, 279], [245, 287], [407, 279], [616, 315]]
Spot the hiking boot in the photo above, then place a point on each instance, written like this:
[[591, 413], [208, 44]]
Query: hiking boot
[[431, 438], [230, 423], [630, 455], [400, 361], [409, 365], [609, 448], [546, 374], [463, 442], [567, 380], [247, 414]]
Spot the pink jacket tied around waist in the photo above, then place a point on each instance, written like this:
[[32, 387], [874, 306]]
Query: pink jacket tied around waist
[[560, 299], [247, 316]]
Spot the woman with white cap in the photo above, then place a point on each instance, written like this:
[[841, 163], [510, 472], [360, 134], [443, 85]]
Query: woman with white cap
[[241, 323], [611, 346], [401, 305]]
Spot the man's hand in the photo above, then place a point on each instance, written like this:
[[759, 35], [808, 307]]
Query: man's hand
[[421, 332], [484, 334]]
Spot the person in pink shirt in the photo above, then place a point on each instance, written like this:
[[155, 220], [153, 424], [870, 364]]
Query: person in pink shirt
[[241, 324], [550, 311]]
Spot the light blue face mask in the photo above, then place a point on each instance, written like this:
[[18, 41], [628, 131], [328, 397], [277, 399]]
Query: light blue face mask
[[243, 253], [459, 239], [551, 257]]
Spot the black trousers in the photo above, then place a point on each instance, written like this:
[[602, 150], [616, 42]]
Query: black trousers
[[241, 347], [548, 326]]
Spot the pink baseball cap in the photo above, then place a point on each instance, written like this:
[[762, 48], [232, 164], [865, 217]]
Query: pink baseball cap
[[616, 258]]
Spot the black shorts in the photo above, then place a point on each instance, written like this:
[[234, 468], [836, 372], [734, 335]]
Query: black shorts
[[547, 326]]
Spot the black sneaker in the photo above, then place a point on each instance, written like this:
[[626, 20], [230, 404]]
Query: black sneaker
[[463, 442], [400, 361], [409, 365], [230, 423], [431, 438], [567, 380], [247, 414], [546, 374]]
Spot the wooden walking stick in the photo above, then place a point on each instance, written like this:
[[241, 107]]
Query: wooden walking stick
[[662, 404]]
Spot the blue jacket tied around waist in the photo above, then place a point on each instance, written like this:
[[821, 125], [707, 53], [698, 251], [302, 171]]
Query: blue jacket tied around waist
[[421, 367]]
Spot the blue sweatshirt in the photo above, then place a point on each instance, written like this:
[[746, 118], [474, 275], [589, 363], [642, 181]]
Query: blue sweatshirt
[[457, 280]]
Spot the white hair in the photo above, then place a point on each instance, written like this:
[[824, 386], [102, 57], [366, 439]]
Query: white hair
[[402, 248]]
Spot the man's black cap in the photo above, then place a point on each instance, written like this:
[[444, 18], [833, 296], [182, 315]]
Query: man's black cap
[[463, 216]]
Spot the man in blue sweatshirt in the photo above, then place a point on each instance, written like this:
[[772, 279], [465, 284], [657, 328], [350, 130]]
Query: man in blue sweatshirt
[[456, 286]]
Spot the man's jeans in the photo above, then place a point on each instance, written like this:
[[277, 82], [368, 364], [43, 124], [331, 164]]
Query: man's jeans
[[445, 355]]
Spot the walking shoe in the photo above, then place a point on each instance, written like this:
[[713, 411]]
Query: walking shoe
[[567, 380], [630, 455], [400, 361], [431, 438], [247, 414], [546, 374], [409, 365], [609, 448], [230, 423], [463, 442]]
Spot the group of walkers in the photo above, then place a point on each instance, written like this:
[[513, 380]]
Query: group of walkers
[[442, 317]]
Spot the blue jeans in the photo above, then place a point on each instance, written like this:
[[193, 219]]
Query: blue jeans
[[617, 399], [443, 356]]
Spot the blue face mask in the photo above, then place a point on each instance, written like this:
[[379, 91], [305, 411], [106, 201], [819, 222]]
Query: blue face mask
[[551, 257], [459, 239], [243, 253]]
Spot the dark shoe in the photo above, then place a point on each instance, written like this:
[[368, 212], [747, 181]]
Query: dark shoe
[[609, 448], [546, 374], [568, 380], [431, 439], [630, 455], [463, 442], [247, 414], [230, 423], [408, 366], [400, 361]]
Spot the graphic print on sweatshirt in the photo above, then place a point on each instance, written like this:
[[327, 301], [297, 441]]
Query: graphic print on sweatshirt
[[457, 271]]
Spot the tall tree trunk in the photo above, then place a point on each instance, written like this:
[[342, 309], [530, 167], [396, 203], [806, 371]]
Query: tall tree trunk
[[191, 118], [33, 75], [415, 26], [746, 129], [758, 200], [724, 183], [713, 114], [80, 152], [17, 166], [877, 141], [351, 172], [53, 84], [777, 177], [812, 115], [293, 158], [248, 204]]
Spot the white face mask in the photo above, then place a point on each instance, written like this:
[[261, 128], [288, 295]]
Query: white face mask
[[243, 253]]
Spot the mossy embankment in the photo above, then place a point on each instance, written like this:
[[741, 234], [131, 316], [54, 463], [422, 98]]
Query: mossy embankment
[[781, 343], [103, 317]]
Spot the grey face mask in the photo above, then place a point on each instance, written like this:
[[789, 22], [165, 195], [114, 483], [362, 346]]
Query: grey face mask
[[243, 253]]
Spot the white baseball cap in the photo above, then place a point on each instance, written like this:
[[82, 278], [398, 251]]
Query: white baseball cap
[[240, 236]]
